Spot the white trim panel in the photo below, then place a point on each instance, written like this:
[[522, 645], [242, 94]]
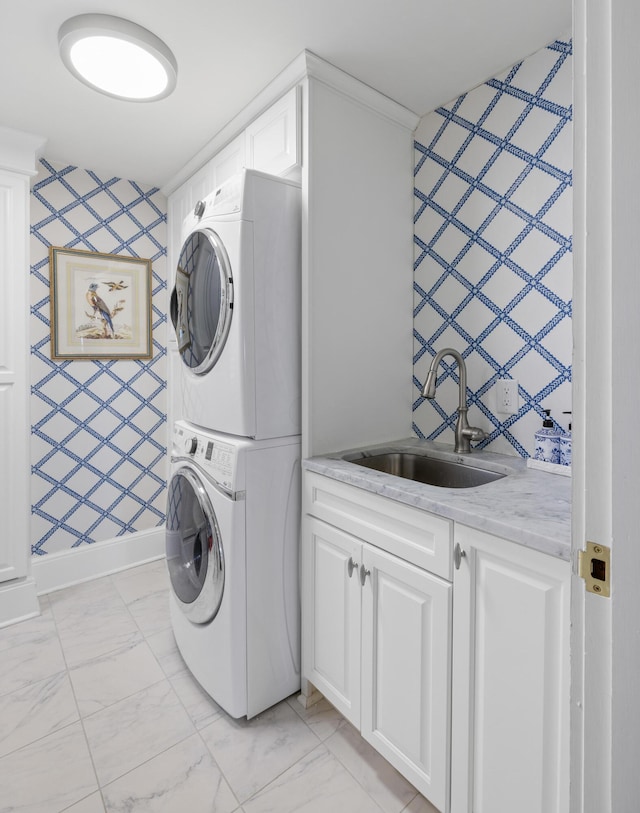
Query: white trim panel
[[58, 570], [18, 601]]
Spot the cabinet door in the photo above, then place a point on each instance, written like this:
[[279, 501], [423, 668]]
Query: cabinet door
[[273, 139], [331, 615], [511, 679], [228, 162], [406, 623]]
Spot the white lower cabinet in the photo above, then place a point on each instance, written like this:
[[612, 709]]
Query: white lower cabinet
[[510, 711], [376, 642], [463, 686]]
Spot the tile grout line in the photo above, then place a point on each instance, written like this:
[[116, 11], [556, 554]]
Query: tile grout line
[[271, 781], [166, 678], [198, 731], [75, 700], [195, 730], [65, 674], [80, 717], [156, 683]]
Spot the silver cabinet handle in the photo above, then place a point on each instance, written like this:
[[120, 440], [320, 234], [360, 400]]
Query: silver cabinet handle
[[458, 555], [351, 566], [363, 574]]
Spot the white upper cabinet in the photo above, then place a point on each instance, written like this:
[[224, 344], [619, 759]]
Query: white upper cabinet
[[273, 139]]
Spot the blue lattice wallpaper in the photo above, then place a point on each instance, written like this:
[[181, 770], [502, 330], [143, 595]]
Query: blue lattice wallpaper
[[493, 266], [99, 434]]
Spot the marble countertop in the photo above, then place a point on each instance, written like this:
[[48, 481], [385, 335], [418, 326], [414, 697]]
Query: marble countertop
[[530, 507]]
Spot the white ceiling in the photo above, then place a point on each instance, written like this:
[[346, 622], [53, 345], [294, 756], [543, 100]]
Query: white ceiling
[[421, 53]]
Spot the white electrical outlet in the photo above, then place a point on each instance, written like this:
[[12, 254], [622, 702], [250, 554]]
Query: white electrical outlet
[[507, 396]]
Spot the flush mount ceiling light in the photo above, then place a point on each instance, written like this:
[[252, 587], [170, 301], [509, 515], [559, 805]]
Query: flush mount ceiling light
[[117, 57]]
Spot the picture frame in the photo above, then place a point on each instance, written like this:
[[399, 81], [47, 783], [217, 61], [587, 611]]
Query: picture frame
[[100, 305]]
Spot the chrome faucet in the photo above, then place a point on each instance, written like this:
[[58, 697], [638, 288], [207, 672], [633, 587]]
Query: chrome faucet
[[464, 433]]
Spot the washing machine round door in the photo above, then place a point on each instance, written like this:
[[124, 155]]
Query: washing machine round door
[[202, 300], [194, 547]]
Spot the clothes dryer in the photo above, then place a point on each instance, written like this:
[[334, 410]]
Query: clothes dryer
[[235, 308], [232, 554]]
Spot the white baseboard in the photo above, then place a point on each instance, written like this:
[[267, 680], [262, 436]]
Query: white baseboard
[[57, 570], [18, 601]]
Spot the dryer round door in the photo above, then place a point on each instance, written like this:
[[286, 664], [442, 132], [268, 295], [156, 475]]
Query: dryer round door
[[202, 300], [194, 548]]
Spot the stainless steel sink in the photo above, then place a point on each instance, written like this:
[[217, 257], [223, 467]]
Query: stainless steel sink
[[429, 470]]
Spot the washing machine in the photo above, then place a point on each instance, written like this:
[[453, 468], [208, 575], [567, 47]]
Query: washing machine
[[232, 554], [235, 308]]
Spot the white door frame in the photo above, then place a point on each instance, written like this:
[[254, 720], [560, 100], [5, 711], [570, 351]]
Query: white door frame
[[605, 707]]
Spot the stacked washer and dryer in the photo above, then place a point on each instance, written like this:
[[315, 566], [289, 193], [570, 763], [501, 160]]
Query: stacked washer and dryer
[[234, 487]]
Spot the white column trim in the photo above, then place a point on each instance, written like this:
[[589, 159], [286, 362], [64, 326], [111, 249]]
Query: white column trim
[[19, 151]]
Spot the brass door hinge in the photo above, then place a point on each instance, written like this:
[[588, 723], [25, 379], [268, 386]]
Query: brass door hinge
[[594, 566]]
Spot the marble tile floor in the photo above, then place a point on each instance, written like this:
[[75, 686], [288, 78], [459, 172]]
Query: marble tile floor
[[99, 713]]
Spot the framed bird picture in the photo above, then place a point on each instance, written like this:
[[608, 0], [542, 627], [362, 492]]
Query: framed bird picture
[[100, 305]]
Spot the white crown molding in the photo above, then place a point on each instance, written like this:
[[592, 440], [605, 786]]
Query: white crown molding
[[358, 92], [305, 65], [58, 570], [19, 151]]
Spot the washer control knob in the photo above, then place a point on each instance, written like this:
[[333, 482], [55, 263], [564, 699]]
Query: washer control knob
[[199, 209], [190, 445]]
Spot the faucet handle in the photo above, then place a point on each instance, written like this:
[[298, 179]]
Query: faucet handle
[[475, 433]]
